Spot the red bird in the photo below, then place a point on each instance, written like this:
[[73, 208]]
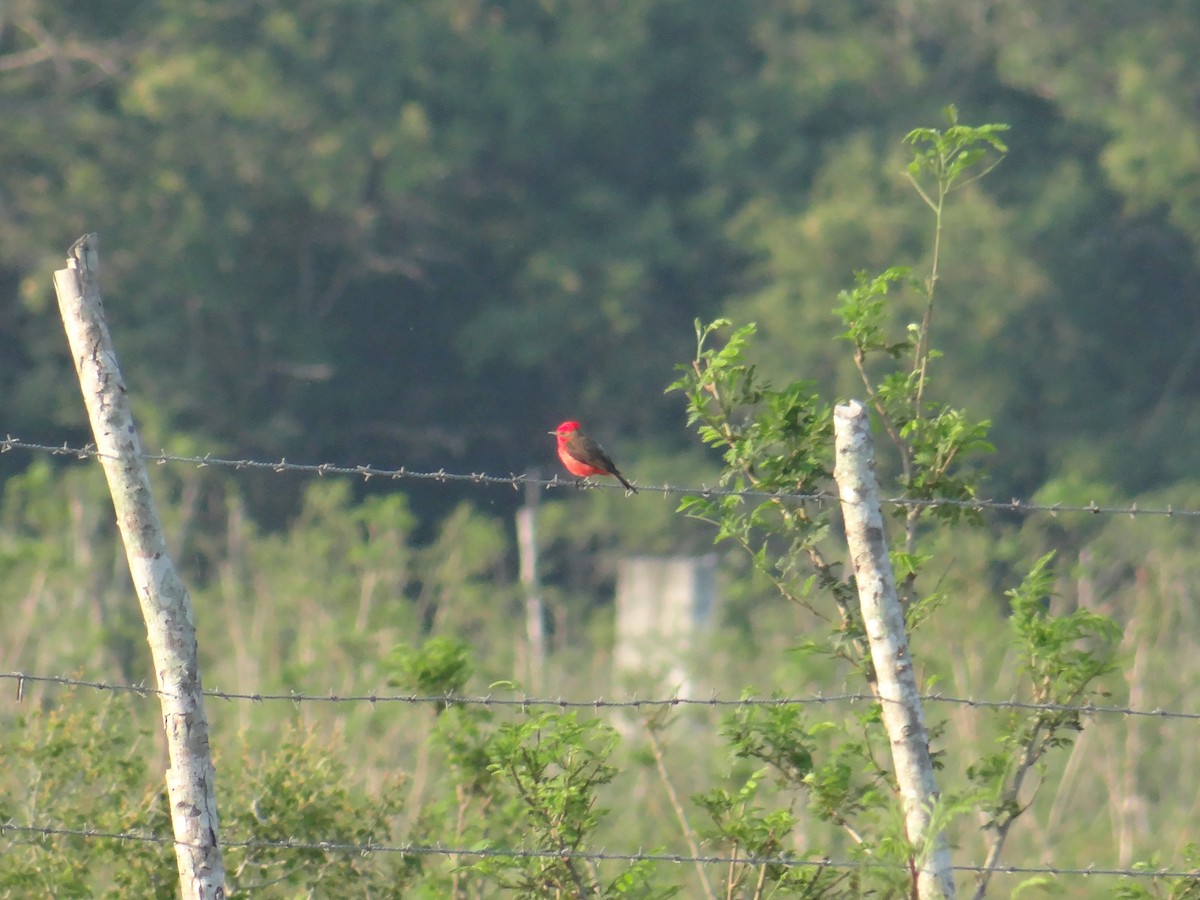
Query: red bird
[[583, 456]]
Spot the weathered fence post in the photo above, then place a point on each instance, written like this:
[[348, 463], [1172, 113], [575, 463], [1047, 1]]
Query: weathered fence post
[[166, 606], [527, 550], [883, 620]]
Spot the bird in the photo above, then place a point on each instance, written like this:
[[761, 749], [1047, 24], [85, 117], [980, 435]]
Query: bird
[[583, 456]]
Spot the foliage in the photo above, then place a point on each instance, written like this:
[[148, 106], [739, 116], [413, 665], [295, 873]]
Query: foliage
[[1186, 887], [295, 192], [440, 667], [777, 441], [527, 789], [301, 792], [82, 763], [842, 784], [1061, 658], [87, 762], [550, 768]]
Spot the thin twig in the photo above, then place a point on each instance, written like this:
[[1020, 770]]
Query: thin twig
[[688, 834]]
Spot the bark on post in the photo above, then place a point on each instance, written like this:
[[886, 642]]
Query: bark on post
[[166, 606], [535, 613], [883, 619]]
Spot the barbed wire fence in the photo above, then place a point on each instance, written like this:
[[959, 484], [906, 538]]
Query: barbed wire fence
[[518, 481], [598, 703], [49, 831], [413, 849], [19, 680]]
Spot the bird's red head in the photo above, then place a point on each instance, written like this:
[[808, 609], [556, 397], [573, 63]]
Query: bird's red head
[[565, 428]]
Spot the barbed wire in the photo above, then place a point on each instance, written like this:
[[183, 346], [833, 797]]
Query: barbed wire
[[635, 703], [415, 849], [516, 482]]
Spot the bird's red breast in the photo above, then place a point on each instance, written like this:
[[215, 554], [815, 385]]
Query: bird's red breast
[[577, 466]]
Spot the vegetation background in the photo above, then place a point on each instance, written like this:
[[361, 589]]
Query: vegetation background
[[423, 233]]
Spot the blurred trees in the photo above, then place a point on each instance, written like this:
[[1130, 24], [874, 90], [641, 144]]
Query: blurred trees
[[422, 233], [415, 231]]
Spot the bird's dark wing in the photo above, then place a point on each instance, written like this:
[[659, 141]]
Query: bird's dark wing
[[586, 450]]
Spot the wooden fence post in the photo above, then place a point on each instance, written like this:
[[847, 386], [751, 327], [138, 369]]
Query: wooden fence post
[[883, 620], [166, 606], [535, 613]]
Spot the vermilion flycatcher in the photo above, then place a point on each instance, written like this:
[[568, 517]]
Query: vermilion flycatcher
[[583, 456]]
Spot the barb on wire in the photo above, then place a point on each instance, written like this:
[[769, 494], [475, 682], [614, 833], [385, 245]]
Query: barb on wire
[[516, 482], [411, 849], [635, 703]]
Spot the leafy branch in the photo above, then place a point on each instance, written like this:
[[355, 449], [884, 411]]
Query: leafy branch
[[931, 439], [1061, 656]]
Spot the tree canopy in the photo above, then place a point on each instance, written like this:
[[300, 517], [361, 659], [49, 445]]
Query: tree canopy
[[426, 232]]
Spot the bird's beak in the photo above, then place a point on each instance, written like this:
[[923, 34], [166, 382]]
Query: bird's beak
[[552, 432]]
